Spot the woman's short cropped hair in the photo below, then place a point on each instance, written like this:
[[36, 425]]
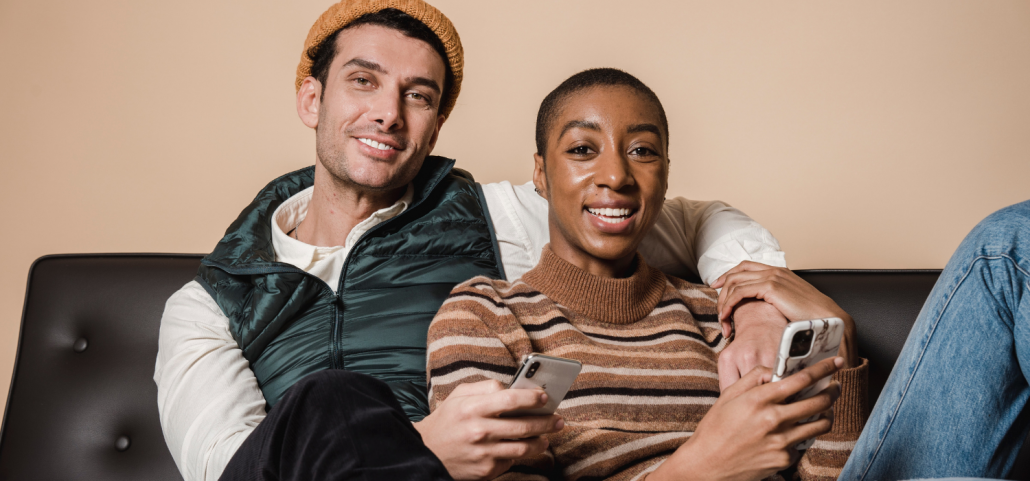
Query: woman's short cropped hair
[[551, 107]]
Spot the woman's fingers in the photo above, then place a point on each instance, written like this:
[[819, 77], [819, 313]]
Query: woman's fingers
[[805, 431], [806, 408], [733, 281], [793, 297], [779, 391], [756, 377], [519, 448], [731, 296], [742, 267]]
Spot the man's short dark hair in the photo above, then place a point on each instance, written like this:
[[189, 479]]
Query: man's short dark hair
[[551, 107], [389, 18]]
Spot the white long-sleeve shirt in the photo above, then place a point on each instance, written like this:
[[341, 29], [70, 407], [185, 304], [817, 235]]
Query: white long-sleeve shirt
[[208, 398]]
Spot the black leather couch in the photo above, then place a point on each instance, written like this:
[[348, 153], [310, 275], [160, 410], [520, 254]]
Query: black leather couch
[[82, 403]]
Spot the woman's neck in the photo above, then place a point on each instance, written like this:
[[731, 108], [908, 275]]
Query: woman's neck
[[606, 299]]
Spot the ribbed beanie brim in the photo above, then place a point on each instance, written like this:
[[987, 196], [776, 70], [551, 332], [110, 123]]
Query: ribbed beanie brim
[[345, 12]]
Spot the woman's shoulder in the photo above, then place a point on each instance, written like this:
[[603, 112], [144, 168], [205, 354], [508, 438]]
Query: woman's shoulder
[[482, 306], [690, 290], [495, 289]]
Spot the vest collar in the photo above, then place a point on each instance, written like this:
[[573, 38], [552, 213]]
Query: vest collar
[[247, 248]]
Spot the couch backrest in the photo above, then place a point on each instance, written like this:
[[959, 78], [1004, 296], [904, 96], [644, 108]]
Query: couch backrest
[[83, 404], [884, 304]]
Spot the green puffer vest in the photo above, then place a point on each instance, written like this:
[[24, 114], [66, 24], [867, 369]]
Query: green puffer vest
[[290, 324]]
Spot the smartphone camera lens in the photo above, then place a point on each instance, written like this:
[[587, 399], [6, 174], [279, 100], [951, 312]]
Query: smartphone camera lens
[[532, 369], [801, 344]]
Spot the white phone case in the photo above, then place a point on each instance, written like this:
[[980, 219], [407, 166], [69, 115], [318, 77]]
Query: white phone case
[[826, 338], [555, 376]]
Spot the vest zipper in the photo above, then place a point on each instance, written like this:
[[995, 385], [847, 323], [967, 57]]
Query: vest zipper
[[340, 315]]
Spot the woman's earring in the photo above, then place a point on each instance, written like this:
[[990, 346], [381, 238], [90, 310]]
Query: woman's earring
[[537, 190]]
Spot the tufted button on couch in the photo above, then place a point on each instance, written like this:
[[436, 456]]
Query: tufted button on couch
[[83, 404]]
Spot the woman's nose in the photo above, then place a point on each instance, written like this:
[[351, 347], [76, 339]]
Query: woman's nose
[[612, 171]]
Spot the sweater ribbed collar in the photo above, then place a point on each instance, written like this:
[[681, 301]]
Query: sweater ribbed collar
[[616, 301]]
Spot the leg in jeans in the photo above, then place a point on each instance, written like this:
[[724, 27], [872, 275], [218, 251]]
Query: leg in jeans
[[335, 425], [952, 405]]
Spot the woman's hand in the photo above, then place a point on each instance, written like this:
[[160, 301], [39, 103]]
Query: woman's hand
[[748, 434], [473, 442], [796, 299], [759, 326]]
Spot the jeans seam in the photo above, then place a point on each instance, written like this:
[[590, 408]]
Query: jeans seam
[[933, 329]]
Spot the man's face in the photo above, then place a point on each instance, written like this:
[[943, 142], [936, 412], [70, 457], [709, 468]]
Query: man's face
[[378, 118], [605, 173]]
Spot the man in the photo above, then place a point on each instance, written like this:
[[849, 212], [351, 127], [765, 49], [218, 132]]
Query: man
[[341, 267]]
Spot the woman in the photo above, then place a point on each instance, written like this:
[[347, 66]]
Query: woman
[[647, 402]]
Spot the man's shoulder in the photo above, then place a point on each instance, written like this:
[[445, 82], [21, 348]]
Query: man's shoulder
[[288, 184], [189, 300]]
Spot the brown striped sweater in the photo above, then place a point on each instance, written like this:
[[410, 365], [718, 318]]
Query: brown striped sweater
[[649, 345]]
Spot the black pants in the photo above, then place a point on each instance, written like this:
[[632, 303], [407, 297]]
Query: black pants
[[335, 425]]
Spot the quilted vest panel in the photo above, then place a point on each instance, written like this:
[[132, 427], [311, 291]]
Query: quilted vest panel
[[290, 324]]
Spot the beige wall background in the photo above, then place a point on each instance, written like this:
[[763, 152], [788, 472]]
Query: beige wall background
[[868, 134]]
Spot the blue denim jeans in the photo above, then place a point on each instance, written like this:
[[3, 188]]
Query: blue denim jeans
[[953, 404]]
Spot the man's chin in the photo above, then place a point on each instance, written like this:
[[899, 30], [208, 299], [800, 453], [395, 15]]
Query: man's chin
[[373, 176], [381, 181]]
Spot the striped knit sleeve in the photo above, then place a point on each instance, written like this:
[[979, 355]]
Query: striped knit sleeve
[[463, 345], [469, 342], [826, 458]]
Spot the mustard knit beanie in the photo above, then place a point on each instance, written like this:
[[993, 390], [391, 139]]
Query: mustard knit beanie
[[345, 12]]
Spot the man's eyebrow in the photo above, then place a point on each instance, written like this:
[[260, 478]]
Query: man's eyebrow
[[645, 128], [365, 64], [370, 65], [425, 82], [582, 124]]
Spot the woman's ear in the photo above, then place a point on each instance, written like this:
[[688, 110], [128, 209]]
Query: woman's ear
[[539, 175], [668, 170]]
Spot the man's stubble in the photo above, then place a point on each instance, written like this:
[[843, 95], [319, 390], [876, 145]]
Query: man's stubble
[[333, 157]]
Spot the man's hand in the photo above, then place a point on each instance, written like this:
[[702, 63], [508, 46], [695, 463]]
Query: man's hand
[[748, 434], [473, 442], [796, 299], [759, 326]]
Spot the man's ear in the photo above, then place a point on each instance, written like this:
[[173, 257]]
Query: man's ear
[[440, 119], [309, 100], [539, 175]]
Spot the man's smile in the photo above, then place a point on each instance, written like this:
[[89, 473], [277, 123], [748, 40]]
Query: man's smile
[[375, 145]]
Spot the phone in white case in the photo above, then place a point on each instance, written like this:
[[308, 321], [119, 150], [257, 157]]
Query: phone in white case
[[554, 375], [803, 344]]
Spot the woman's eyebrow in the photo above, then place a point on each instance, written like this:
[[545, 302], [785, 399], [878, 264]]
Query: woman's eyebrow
[[644, 128], [583, 124]]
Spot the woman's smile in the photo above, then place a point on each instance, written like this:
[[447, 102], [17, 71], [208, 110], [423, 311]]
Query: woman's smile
[[611, 220]]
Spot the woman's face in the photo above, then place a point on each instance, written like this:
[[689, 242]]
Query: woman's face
[[604, 175]]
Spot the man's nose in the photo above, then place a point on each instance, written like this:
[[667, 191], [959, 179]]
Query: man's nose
[[386, 110], [613, 170]]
